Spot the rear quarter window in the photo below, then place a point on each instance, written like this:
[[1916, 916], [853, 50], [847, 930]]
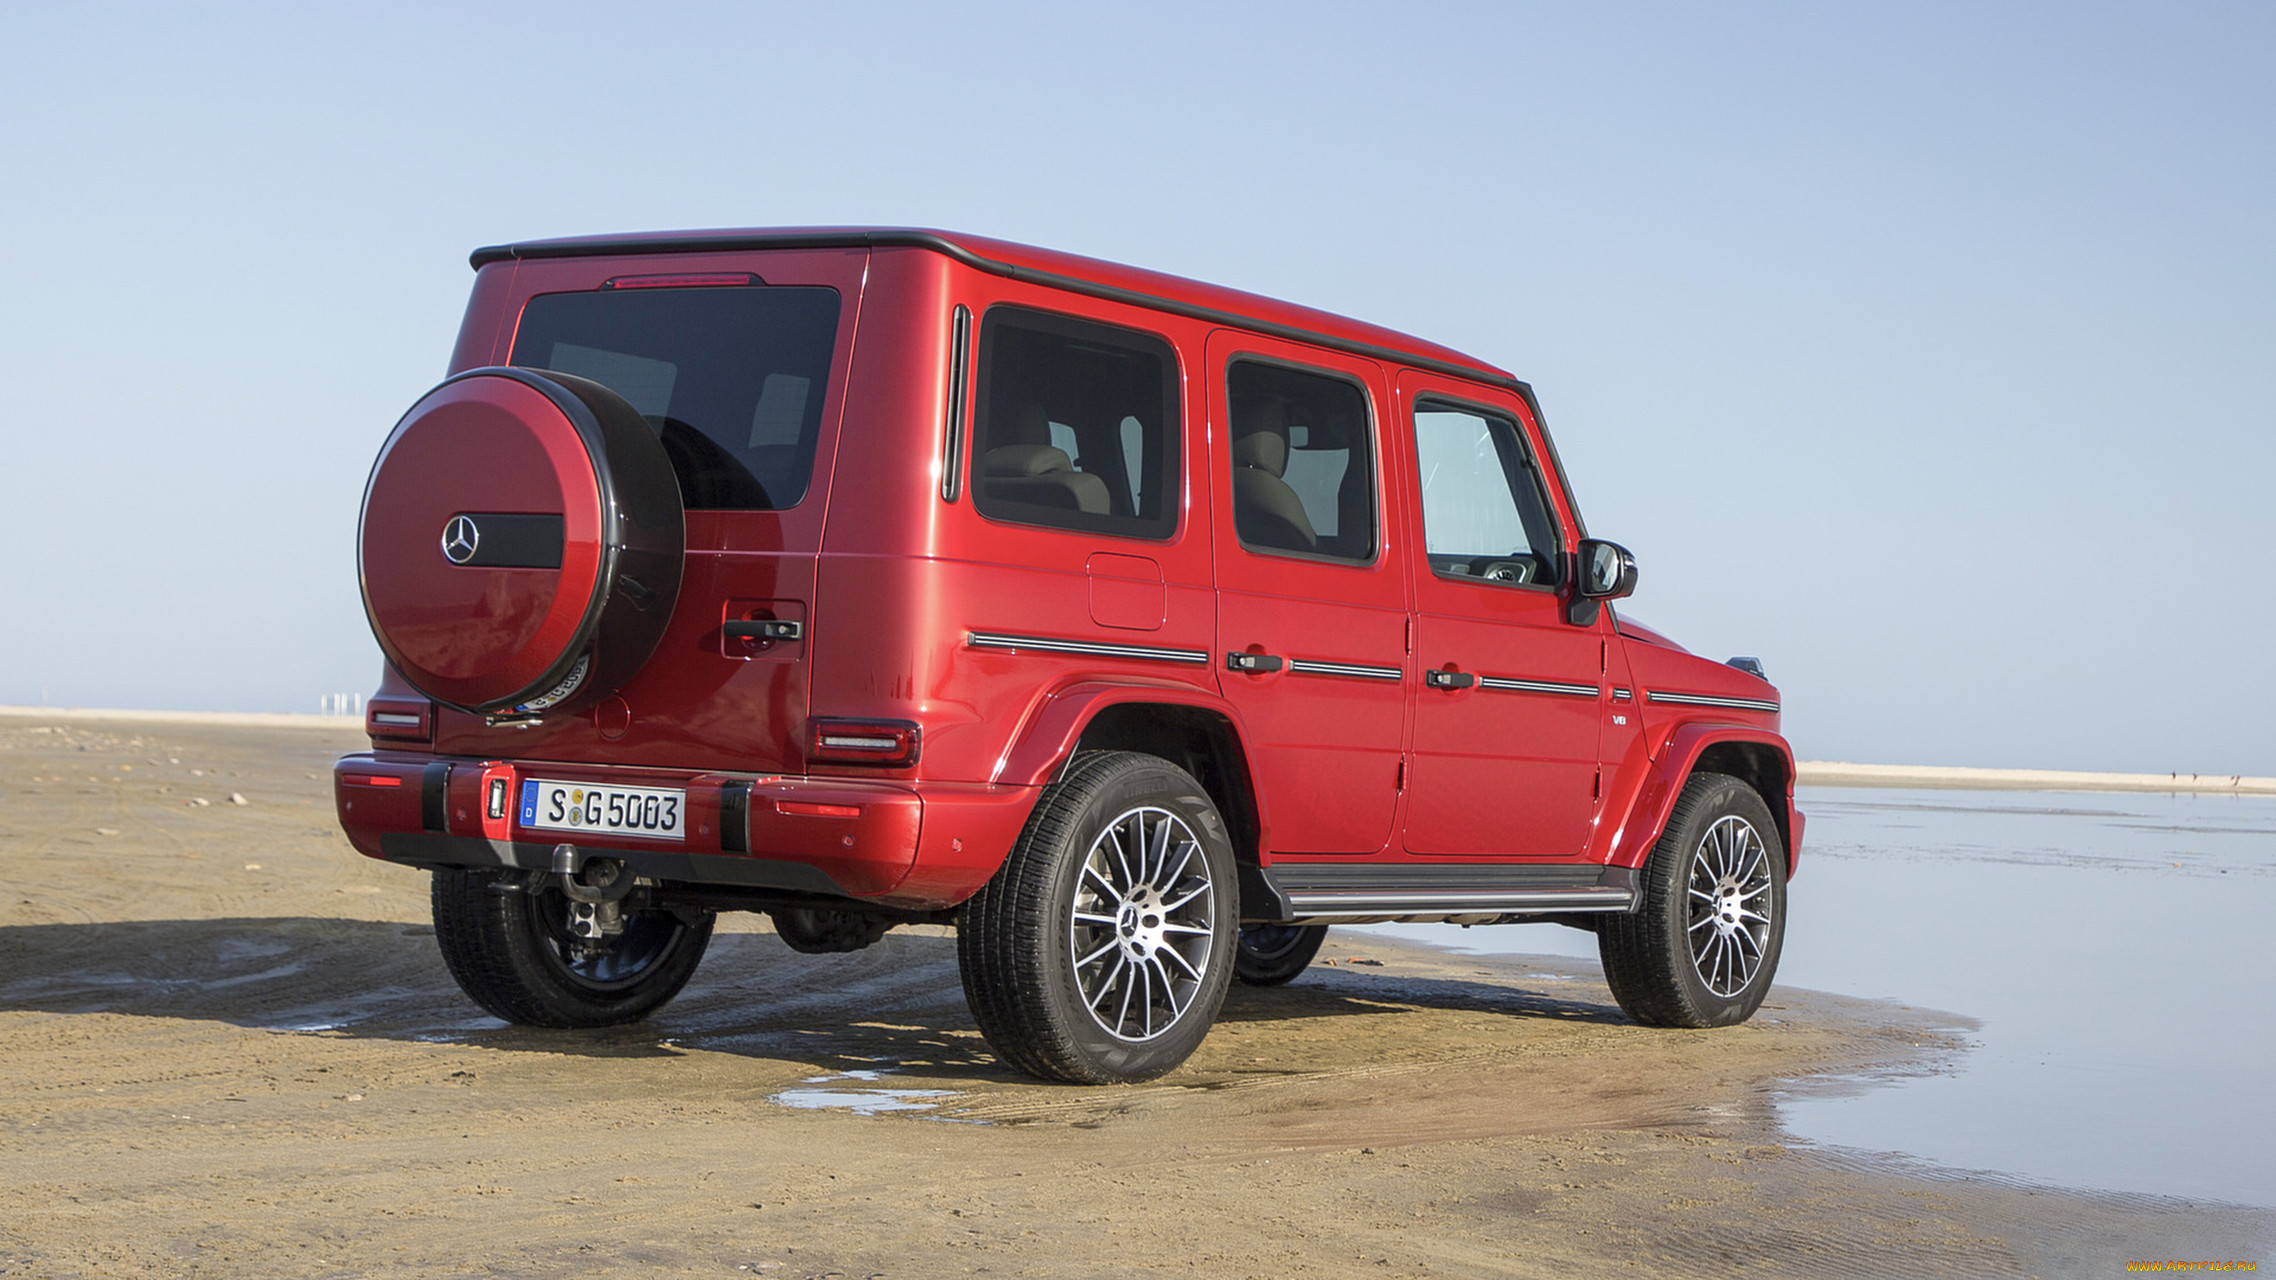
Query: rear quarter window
[[732, 378], [1077, 426]]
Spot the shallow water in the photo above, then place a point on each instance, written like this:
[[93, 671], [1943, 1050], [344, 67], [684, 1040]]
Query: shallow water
[[2118, 950]]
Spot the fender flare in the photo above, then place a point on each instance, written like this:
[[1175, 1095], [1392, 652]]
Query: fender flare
[[1045, 741], [1646, 815]]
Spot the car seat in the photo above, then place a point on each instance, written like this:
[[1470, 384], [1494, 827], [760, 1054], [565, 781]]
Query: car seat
[[1027, 468], [1266, 511]]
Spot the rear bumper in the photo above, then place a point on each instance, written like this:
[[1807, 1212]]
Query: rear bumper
[[911, 845]]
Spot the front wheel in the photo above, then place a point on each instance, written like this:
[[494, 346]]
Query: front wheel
[[513, 952], [1271, 954], [1100, 951], [1702, 947]]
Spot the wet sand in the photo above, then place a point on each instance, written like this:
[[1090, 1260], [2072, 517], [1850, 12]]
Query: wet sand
[[229, 1048]]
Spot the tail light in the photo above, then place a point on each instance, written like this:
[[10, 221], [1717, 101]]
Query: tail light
[[408, 719], [879, 742]]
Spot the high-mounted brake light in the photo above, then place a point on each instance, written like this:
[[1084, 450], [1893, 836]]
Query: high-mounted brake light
[[684, 280], [884, 742]]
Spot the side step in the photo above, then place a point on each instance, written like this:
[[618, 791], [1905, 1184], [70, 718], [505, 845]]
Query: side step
[[1375, 892]]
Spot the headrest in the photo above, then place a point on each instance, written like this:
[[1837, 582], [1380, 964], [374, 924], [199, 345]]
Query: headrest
[[1262, 450], [1030, 425], [1019, 460]]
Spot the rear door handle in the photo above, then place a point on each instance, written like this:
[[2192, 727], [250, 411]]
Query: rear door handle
[[1449, 679], [1252, 663], [763, 629]]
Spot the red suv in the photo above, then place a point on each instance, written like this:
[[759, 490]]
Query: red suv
[[1139, 628]]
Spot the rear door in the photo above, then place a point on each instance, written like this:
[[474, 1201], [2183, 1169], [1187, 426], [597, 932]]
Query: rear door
[[739, 362], [1311, 593], [1510, 696]]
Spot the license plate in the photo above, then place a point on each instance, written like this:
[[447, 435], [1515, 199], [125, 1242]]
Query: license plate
[[583, 806]]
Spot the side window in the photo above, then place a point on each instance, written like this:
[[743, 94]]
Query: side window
[[1078, 425], [1303, 465], [1484, 513]]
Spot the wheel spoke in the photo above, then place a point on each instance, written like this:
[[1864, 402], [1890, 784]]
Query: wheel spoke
[[1104, 883], [1168, 986], [1145, 987], [1159, 849], [1106, 984], [1199, 888], [1141, 923], [1129, 985], [1122, 860]]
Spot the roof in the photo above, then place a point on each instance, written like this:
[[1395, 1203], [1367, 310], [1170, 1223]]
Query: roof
[[1090, 276]]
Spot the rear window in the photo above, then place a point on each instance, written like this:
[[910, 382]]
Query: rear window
[[732, 378]]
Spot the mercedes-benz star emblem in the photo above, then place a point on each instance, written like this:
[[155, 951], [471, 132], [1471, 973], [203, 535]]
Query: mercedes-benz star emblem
[[460, 538]]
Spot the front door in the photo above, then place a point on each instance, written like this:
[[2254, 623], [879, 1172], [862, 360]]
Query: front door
[[1311, 594], [1510, 695]]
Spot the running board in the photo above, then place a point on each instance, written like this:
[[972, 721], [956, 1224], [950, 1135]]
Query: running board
[[1369, 892]]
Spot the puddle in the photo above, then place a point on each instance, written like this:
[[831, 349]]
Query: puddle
[[866, 1102], [2116, 950]]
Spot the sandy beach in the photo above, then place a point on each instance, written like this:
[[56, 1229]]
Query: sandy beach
[[229, 1048]]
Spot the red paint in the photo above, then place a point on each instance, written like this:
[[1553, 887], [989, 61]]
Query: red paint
[[485, 444], [889, 581]]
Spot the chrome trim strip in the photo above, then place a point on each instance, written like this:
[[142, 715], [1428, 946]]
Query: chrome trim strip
[[1362, 902], [1538, 686], [1622, 695], [1088, 648], [952, 440], [1710, 700], [1307, 667]]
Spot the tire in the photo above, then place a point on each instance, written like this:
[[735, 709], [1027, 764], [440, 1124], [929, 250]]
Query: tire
[[1101, 950], [1701, 949], [512, 953], [1271, 954], [521, 543]]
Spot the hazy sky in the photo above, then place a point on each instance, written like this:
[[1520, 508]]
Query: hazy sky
[[1923, 350]]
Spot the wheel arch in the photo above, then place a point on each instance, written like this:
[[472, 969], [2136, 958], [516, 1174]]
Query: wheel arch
[[1758, 757], [1184, 726]]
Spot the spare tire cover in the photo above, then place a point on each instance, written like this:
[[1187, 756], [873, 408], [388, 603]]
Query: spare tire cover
[[521, 542]]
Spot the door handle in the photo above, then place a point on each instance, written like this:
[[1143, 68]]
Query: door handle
[[762, 629], [1252, 663], [1449, 679]]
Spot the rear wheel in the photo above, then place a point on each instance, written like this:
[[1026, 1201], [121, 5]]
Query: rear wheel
[[1101, 950], [1702, 947], [514, 954], [1271, 954]]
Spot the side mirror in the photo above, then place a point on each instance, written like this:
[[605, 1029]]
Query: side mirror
[[1607, 572]]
